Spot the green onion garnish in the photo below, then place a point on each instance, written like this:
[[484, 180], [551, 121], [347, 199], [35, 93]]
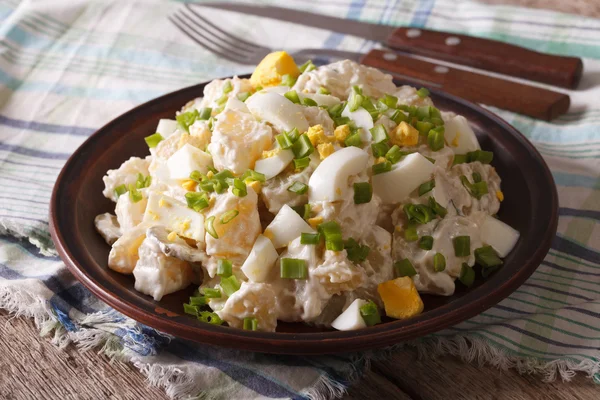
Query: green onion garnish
[[283, 140], [395, 154], [355, 100], [459, 159], [227, 216], [222, 100], [380, 168], [293, 268], [243, 96], [302, 147], [426, 187], [190, 309], [210, 318], [293, 134], [423, 92], [389, 100], [379, 133], [356, 253], [288, 80], [426, 242], [484, 157], [309, 102], [186, 119], [227, 87], [303, 211], [368, 105], [435, 139], [153, 140], [198, 301], [120, 190], [323, 90], [418, 213], [363, 192], [336, 110], [207, 186], [134, 194], [333, 235], [421, 112], [487, 257], [301, 163], [467, 275], [210, 293], [353, 140], [298, 188], [292, 96], [404, 268], [250, 176], [224, 268], [224, 174], [439, 262], [462, 246], [210, 228], [436, 120], [477, 189], [205, 113], [309, 238], [307, 66], [424, 127], [476, 177], [399, 116], [239, 188], [196, 201], [410, 233], [435, 113], [370, 314], [437, 208], [198, 176], [250, 324], [380, 149], [230, 285], [142, 181]]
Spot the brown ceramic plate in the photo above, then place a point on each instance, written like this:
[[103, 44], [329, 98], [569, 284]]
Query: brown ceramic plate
[[530, 206]]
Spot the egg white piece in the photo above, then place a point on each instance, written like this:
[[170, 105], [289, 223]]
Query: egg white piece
[[459, 135], [174, 216], [278, 111], [236, 104], [187, 160], [361, 117], [321, 99], [350, 319], [394, 186], [273, 166], [166, 127], [260, 260], [286, 226], [329, 182], [499, 235]]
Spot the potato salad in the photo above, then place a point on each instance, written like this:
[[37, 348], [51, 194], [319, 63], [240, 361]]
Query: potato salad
[[324, 195]]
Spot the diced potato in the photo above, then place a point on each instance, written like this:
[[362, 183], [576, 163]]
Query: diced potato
[[270, 70], [400, 298]]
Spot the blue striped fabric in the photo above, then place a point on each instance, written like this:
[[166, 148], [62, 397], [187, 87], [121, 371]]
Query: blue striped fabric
[[67, 68]]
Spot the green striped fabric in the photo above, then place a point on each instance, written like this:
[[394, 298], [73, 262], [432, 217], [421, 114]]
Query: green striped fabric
[[66, 68]]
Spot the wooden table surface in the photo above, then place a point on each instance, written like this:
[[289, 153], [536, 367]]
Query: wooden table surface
[[32, 368]]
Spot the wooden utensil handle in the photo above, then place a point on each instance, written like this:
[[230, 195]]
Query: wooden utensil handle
[[489, 55], [523, 99]]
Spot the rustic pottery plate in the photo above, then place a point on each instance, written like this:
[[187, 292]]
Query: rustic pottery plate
[[530, 206]]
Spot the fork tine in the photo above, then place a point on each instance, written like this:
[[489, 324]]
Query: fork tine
[[231, 39]]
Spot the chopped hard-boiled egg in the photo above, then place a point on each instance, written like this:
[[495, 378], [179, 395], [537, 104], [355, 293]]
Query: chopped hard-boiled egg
[[235, 104], [273, 166], [400, 298], [498, 235], [325, 150], [278, 111], [341, 133], [329, 182], [404, 135], [129, 213], [459, 135], [174, 216], [361, 117], [187, 160], [316, 135], [350, 319], [260, 260], [286, 226], [394, 186], [166, 127], [272, 68]]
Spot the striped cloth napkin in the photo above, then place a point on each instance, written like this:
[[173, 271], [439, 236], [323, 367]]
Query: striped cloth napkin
[[68, 67]]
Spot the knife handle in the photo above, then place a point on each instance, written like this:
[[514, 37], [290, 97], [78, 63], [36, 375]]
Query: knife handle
[[489, 55], [523, 99]]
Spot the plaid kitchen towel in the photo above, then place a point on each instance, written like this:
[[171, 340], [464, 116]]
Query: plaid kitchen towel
[[68, 67]]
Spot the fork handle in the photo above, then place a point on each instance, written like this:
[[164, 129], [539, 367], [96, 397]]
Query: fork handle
[[489, 55], [523, 99]]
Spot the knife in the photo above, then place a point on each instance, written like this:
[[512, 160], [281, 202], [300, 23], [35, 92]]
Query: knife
[[486, 54]]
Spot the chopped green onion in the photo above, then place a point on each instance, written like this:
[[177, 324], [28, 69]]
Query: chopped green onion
[[298, 188], [292, 96], [395, 154], [207, 186], [437, 121], [120, 190], [211, 293], [288, 80], [423, 92], [410, 233], [363, 192], [210, 318], [353, 140], [355, 100], [404, 268], [356, 253], [379, 133], [307, 101], [437, 208], [301, 163], [293, 268], [399, 116], [418, 213], [467, 275], [459, 159], [190, 309], [230, 285], [224, 174], [380, 149], [198, 301], [370, 314], [439, 262], [134, 194], [250, 324], [309, 238], [222, 100], [224, 268], [293, 134], [323, 90], [380, 168], [210, 228], [342, 121], [336, 110], [243, 96], [333, 235], [435, 140], [303, 211], [198, 176], [250, 176], [426, 242], [302, 147], [205, 113], [142, 181], [476, 177], [153, 140], [196, 201], [435, 113], [426, 187], [389, 100], [484, 157], [424, 127], [477, 189], [307, 66], [368, 105], [227, 87], [186, 119], [239, 188], [228, 216], [422, 112], [220, 186], [487, 257], [462, 246], [212, 169]]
